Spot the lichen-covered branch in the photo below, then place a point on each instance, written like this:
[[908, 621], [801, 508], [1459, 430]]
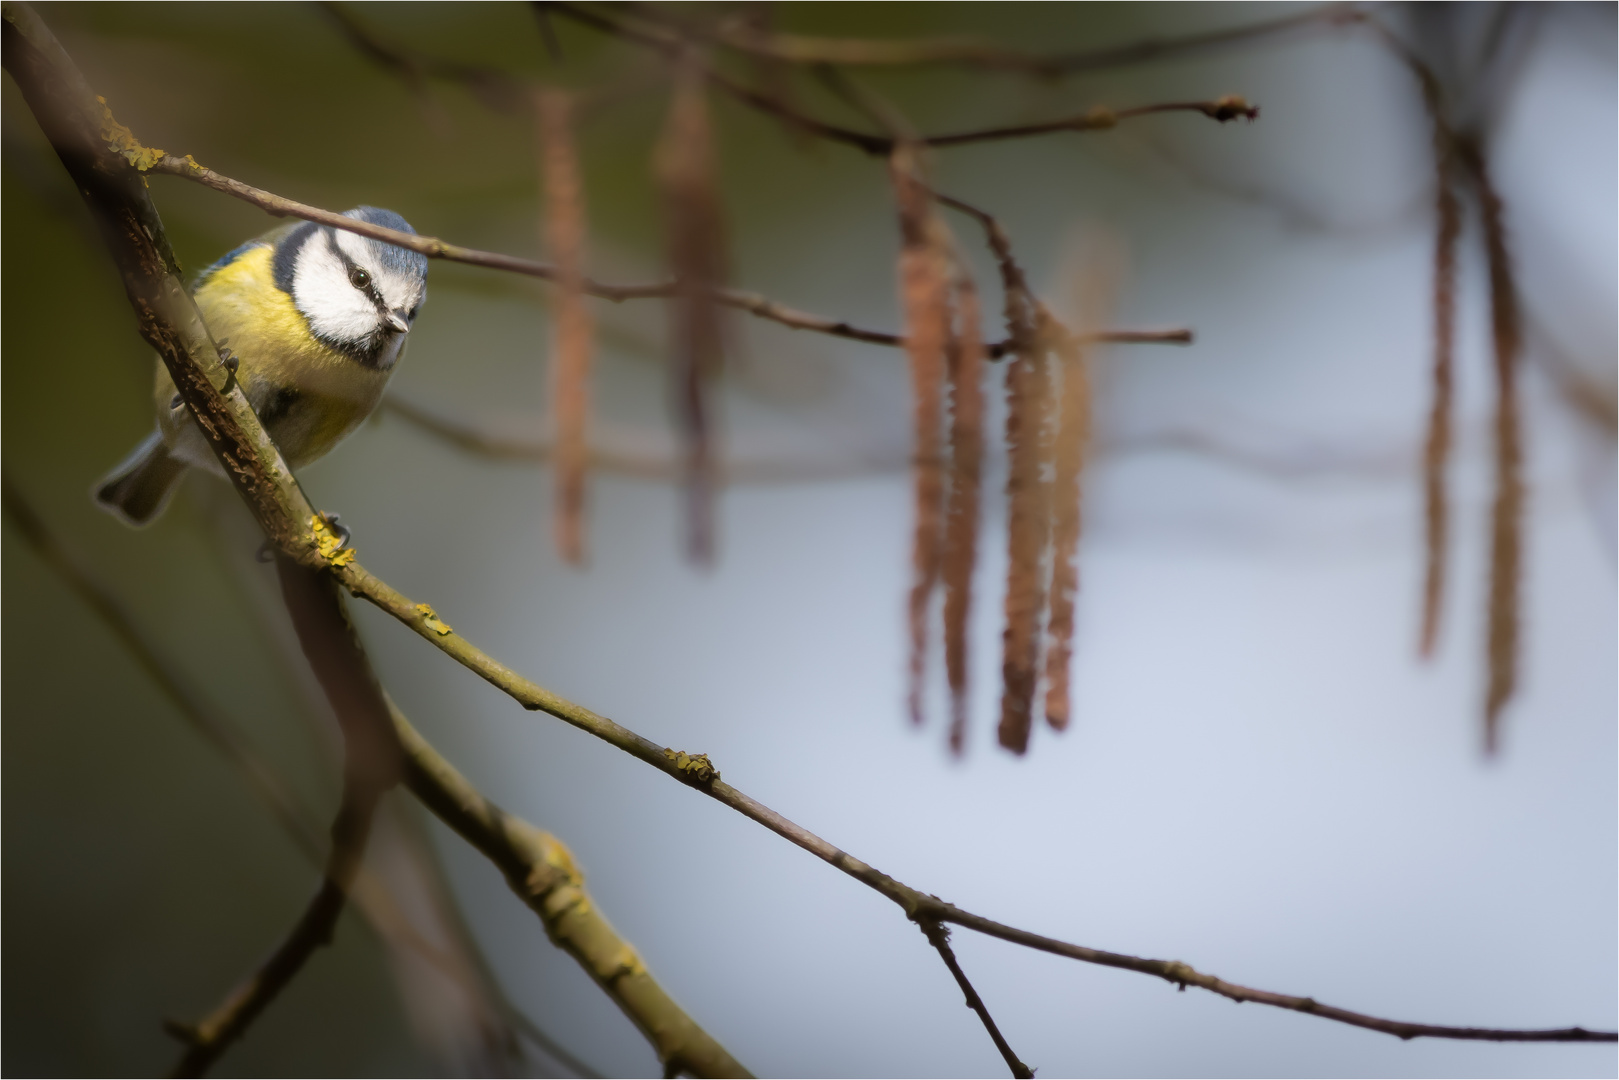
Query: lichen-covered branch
[[541, 871], [101, 157], [453, 960], [111, 186], [698, 773]]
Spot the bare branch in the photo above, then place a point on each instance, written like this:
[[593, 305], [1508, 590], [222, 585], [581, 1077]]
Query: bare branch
[[495, 88], [644, 465], [212, 1036], [146, 270], [672, 43], [112, 189], [370, 890], [938, 936], [975, 52], [699, 773], [753, 303], [541, 871]]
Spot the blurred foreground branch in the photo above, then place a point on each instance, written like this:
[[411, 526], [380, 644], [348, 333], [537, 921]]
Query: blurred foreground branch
[[89, 142], [372, 887], [308, 562]]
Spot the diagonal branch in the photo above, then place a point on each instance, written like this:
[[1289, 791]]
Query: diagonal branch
[[537, 865], [57, 94], [283, 805], [938, 936], [212, 1036], [541, 871], [699, 773], [371, 890], [100, 154]]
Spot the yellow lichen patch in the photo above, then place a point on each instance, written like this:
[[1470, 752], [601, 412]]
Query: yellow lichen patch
[[1101, 117], [122, 140], [329, 545], [696, 766], [627, 962], [560, 858], [434, 623]]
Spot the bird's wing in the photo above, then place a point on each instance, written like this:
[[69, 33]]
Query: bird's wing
[[269, 239]]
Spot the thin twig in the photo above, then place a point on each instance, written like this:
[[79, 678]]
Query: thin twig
[[975, 52], [663, 468], [1101, 118], [938, 936], [34, 74], [372, 764], [212, 1036], [752, 303], [541, 870], [100, 154], [496, 89], [670, 44], [700, 775], [370, 893], [293, 817]]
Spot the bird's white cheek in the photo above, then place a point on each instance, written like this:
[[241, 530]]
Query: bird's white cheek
[[340, 317], [335, 309]]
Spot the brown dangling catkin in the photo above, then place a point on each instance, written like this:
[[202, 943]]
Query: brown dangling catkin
[[685, 164], [961, 523], [1028, 394], [573, 339], [1072, 438], [924, 293], [1436, 454], [1506, 518]]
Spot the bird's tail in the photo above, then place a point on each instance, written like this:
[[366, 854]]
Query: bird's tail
[[140, 487]]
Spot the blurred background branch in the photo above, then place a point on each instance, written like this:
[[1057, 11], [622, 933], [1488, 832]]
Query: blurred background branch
[[765, 391]]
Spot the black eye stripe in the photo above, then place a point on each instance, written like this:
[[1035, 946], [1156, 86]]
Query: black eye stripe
[[349, 266]]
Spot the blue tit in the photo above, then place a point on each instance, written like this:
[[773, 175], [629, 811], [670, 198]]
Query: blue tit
[[316, 318]]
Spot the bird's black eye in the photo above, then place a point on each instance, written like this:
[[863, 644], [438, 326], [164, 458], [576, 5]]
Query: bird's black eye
[[359, 278]]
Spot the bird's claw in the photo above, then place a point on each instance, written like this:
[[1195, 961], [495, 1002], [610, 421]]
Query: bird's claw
[[341, 532], [231, 363]]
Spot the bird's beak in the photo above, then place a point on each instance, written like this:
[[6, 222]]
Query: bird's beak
[[396, 319]]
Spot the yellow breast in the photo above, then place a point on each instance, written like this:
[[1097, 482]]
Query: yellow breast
[[278, 354]]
